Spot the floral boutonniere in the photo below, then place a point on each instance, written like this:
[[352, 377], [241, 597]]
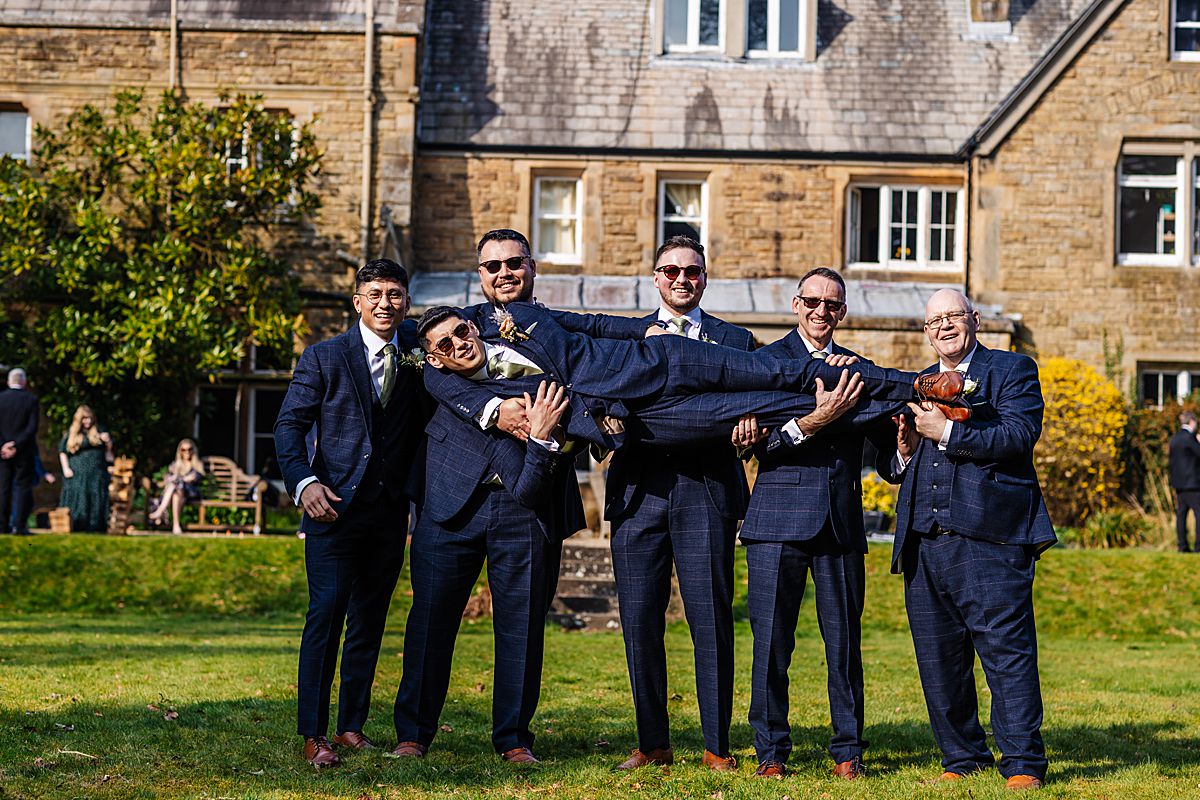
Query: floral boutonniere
[[509, 329], [414, 358], [704, 337], [970, 386]]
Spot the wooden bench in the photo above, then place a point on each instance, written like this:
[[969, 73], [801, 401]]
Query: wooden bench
[[225, 486]]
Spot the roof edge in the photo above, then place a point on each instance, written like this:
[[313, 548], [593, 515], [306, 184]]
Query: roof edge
[[709, 154]]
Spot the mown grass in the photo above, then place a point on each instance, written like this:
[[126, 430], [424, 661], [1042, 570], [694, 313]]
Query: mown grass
[[1118, 651]]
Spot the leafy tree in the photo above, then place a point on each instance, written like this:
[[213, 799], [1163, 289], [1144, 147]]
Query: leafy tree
[[140, 253]]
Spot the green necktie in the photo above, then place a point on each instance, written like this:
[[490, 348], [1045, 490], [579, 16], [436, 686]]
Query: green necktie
[[497, 366], [679, 325], [819, 355], [389, 374]]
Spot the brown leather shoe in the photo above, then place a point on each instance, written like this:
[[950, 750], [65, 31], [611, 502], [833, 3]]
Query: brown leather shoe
[[771, 769], [955, 412], [319, 752], [353, 739], [950, 776], [520, 755], [662, 756], [719, 763], [1021, 782], [944, 386], [850, 770], [408, 750]]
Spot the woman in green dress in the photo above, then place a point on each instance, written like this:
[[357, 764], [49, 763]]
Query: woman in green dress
[[85, 454]]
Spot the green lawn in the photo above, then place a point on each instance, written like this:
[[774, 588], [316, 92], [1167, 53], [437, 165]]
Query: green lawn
[[84, 695]]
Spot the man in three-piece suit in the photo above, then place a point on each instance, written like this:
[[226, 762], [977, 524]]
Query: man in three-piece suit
[[369, 410], [806, 516], [1183, 464], [970, 523], [18, 447], [678, 505]]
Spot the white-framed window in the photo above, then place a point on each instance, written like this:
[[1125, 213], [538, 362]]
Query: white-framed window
[[692, 25], [15, 132], [683, 209], [776, 27], [1158, 200], [1161, 385], [1185, 30], [905, 226], [558, 219]]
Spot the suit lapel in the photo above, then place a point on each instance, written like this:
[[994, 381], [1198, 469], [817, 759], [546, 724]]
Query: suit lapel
[[356, 361]]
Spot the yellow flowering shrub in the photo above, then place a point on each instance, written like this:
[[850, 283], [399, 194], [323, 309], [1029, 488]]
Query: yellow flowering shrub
[[878, 494], [1079, 455]]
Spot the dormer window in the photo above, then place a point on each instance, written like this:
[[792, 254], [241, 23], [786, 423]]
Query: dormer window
[[1185, 30], [692, 25], [781, 27]]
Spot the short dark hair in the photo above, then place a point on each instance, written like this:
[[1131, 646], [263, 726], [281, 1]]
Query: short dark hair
[[823, 272], [434, 315], [503, 235], [380, 269], [1187, 417], [686, 242]]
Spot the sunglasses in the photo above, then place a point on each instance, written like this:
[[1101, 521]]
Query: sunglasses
[[671, 272], [514, 264], [832, 306], [445, 345]]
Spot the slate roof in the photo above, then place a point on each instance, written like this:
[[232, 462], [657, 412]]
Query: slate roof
[[892, 77], [333, 13]]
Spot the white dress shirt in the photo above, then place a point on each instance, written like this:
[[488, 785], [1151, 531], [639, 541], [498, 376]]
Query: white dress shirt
[[693, 320]]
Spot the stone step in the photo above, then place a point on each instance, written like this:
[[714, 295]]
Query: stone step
[[589, 586], [582, 621], [588, 605], [586, 569]]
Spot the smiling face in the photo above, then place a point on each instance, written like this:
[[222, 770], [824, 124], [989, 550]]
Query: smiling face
[[382, 318], [466, 352], [682, 294], [951, 324], [513, 281], [817, 324]]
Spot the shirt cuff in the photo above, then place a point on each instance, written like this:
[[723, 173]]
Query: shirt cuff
[[792, 429], [549, 444], [491, 412], [300, 487], [944, 442]]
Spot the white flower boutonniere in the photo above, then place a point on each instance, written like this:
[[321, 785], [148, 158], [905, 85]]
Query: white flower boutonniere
[[414, 358], [509, 329], [970, 386], [704, 337]]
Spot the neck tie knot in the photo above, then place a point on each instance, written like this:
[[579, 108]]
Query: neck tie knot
[[498, 367], [679, 325], [820, 355]]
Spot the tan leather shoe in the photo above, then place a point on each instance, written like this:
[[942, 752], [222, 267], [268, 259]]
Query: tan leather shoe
[[944, 386], [1019, 783], [354, 739], [719, 763], [319, 752], [950, 776], [408, 750], [520, 755], [955, 412], [661, 756], [850, 770], [771, 769]]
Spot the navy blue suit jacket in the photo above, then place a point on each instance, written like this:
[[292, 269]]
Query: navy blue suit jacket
[[722, 472], [802, 487], [995, 496], [331, 388]]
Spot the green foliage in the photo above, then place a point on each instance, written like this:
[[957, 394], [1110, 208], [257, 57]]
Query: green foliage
[[1118, 527], [136, 263], [1145, 452]]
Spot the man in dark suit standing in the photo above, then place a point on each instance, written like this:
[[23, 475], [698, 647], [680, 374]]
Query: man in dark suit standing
[[806, 516], [678, 505], [970, 523], [369, 409], [1183, 462], [18, 445]]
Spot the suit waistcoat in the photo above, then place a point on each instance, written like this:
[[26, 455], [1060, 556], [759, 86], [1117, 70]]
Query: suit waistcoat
[[931, 490], [395, 433]]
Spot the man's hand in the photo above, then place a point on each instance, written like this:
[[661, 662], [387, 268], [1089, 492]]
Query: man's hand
[[613, 426], [545, 409], [315, 501], [747, 433], [907, 437], [8, 450], [512, 418], [832, 403], [840, 360], [930, 421], [654, 330]]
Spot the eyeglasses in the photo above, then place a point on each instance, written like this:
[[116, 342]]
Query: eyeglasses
[[514, 264], [954, 317], [185, 449], [394, 297], [832, 306], [445, 345], [671, 271]]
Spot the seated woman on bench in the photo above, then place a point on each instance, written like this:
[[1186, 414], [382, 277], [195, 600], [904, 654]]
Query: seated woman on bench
[[182, 485]]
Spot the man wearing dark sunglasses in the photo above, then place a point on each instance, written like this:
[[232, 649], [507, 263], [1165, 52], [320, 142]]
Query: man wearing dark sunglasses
[[805, 516], [678, 505]]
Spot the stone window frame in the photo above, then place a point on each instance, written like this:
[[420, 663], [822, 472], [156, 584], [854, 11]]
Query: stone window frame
[[693, 46], [17, 109], [660, 204], [1187, 187], [925, 226], [1185, 375], [535, 216], [806, 32], [1172, 26]]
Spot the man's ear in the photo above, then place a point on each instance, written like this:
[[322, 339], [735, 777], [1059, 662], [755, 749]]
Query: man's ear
[[433, 361]]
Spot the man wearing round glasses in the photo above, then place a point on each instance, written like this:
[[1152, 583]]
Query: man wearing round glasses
[[678, 505], [369, 412]]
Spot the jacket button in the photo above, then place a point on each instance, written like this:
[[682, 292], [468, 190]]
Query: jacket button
[[355, 486], [585, 413], [368, 455]]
